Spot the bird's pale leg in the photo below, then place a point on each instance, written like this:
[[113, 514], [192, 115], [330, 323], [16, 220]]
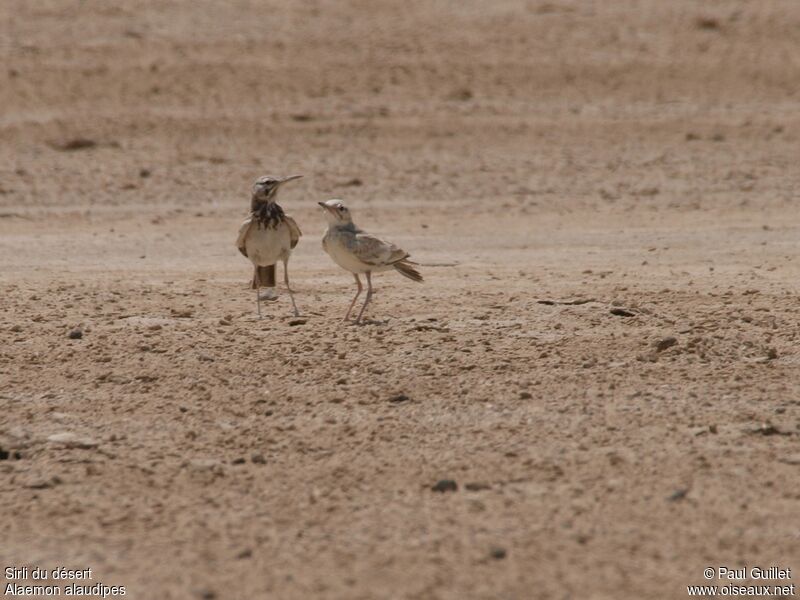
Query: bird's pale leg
[[368, 298], [286, 281], [257, 285], [358, 293]]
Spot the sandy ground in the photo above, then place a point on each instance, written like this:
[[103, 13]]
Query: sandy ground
[[634, 156]]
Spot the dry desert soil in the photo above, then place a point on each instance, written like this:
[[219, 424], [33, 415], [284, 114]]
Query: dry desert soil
[[594, 393]]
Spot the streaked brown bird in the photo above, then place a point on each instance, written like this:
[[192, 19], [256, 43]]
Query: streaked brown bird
[[267, 236], [357, 251]]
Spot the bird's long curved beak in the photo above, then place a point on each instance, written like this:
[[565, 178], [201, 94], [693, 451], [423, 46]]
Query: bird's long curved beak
[[290, 178], [325, 206]]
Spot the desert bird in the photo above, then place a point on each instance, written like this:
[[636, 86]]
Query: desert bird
[[267, 236], [359, 252]]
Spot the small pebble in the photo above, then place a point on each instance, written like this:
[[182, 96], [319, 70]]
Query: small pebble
[[792, 459], [678, 495], [476, 486], [70, 440], [766, 429], [445, 485], [664, 343], [41, 482]]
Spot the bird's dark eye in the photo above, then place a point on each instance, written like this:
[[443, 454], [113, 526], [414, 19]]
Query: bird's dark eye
[[341, 209]]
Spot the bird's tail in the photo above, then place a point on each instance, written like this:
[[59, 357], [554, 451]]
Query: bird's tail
[[263, 277], [406, 270]]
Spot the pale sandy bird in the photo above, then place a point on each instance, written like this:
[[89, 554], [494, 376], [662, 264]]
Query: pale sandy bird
[[267, 236], [359, 252]]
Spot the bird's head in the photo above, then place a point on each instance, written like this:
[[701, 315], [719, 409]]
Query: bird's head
[[266, 187], [336, 212]]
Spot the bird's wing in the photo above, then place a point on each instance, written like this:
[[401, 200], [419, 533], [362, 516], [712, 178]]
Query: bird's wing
[[374, 251], [294, 230], [243, 231]]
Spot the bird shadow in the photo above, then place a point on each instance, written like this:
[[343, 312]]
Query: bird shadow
[[369, 322]]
